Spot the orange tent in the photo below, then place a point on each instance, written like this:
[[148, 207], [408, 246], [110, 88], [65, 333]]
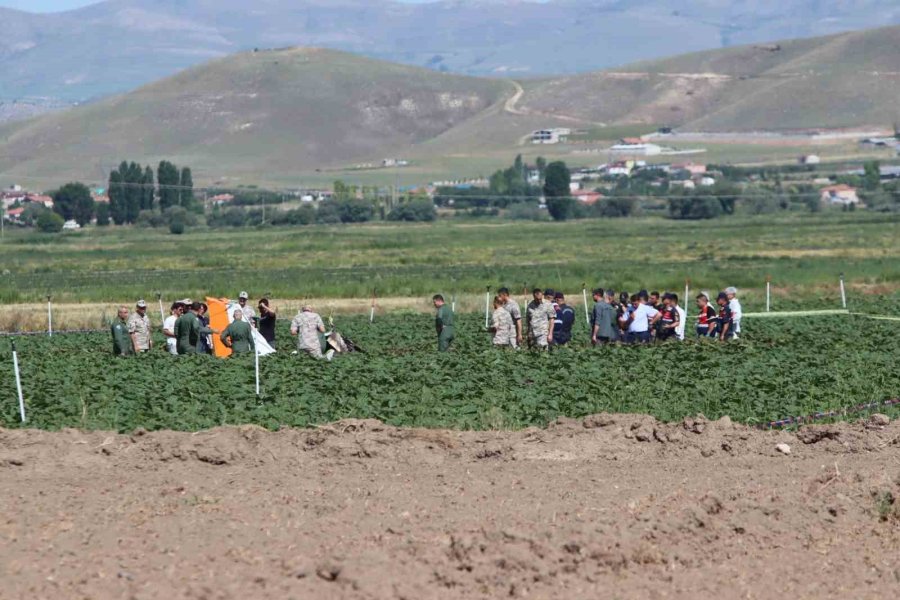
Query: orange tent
[[218, 320]]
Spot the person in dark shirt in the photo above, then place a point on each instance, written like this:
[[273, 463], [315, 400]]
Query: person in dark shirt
[[724, 331], [669, 320], [707, 319], [565, 318], [266, 321], [204, 344]]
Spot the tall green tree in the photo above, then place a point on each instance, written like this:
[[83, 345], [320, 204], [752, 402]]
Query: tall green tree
[[74, 201], [187, 188], [134, 192], [149, 191], [116, 198], [872, 175], [560, 203], [168, 181]]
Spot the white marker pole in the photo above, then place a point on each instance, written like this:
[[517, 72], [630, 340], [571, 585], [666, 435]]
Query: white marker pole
[[18, 382], [487, 303], [256, 361], [769, 293], [587, 317], [162, 316], [372, 310], [49, 318], [843, 292], [453, 304], [686, 301]]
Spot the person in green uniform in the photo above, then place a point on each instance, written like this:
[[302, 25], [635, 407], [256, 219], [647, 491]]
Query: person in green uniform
[[238, 335], [122, 345], [188, 330], [443, 322]]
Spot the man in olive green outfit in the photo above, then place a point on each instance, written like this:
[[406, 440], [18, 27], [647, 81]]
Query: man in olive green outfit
[[238, 335], [122, 345], [443, 322], [188, 330]]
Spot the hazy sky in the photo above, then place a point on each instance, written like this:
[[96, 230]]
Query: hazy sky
[[57, 5]]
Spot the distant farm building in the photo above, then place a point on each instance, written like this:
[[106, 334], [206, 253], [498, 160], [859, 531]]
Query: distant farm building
[[810, 159], [587, 196], [840, 194], [550, 136], [629, 146]]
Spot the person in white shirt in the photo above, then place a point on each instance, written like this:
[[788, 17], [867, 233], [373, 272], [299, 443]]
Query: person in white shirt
[[246, 309], [735, 305], [169, 327], [682, 318], [642, 319]]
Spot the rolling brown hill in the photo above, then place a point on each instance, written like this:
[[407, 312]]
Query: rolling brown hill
[[849, 79], [285, 115]]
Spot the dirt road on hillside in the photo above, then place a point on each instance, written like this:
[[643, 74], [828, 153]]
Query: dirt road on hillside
[[610, 506]]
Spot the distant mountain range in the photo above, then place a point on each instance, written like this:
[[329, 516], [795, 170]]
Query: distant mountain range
[[117, 45], [277, 115]]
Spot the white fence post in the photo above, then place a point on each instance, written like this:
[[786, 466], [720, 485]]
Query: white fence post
[[49, 317], [587, 316], [18, 382], [162, 316], [487, 307], [256, 361], [372, 310], [843, 292], [768, 293]]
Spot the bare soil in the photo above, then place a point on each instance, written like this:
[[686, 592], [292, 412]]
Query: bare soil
[[611, 506]]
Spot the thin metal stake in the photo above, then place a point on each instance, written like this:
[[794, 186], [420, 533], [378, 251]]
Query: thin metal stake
[[18, 382]]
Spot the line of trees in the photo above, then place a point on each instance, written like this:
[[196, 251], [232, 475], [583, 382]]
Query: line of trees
[[132, 190]]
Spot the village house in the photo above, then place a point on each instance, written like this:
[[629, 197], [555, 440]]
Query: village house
[[587, 196], [220, 199], [550, 136], [840, 194]]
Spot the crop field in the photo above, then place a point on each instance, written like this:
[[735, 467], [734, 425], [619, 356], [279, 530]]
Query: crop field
[[781, 367], [804, 254]]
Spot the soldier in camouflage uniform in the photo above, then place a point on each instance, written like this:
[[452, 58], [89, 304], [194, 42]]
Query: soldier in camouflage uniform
[[540, 316], [139, 328], [502, 325], [307, 326], [512, 307], [121, 342]]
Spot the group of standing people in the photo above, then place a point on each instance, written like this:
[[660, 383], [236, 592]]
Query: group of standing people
[[187, 328], [639, 318]]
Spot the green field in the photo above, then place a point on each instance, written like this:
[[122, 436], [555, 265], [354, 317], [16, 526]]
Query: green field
[[803, 253], [780, 367]]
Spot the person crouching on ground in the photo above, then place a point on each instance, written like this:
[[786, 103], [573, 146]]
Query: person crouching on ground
[[238, 335], [443, 323], [307, 326], [502, 327]]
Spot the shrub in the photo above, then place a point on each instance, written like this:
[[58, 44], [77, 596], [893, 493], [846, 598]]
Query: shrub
[[49, 222], [415, 210]]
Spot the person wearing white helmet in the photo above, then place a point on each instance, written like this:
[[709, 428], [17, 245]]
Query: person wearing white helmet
[[735, 305], [247, 309]]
